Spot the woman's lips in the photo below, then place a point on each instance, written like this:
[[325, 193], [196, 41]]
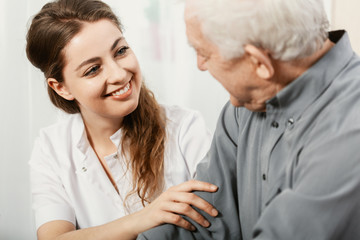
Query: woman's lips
[[122, 93]]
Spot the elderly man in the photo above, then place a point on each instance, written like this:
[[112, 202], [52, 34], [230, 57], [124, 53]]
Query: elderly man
[[286, 151]]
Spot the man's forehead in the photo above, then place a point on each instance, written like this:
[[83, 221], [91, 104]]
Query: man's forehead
[[193, 29], [195, 36]]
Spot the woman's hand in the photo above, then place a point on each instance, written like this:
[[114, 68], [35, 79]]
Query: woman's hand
[[177, 201], [165, 209]]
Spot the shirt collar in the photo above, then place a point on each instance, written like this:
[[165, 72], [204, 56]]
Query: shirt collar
[[295, 98], [116, 137], [80, 135]]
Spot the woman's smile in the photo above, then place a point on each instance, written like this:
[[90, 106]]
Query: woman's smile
[[121, 93]]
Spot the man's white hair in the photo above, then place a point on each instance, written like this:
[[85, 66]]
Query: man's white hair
[[288, 29]]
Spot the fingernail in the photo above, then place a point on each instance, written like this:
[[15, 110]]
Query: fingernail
[[192, 228], [206, 223], [214, 212], [213, 187]]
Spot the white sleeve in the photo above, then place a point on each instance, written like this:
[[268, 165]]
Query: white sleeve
[[194, 140], [49, 199]]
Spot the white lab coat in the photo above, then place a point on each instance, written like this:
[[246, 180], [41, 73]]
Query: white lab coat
[[69, 183]]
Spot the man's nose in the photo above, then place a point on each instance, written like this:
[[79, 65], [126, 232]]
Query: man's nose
[[201, 63]]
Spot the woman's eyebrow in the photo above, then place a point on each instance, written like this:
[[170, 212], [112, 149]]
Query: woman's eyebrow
[[95, 59], [116, 43], [91, 60]]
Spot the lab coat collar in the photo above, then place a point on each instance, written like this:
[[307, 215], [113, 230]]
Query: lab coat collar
[[80, 135]]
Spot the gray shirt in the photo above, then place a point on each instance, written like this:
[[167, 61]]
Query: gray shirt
[[294, 171]]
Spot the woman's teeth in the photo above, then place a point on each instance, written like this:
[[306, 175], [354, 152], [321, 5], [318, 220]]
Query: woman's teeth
[[122, 91]]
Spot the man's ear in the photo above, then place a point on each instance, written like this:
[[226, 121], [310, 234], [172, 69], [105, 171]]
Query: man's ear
[[60, 89], [261, 60]]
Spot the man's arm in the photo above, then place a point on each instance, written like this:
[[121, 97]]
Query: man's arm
[[219, 168], [324, 199]]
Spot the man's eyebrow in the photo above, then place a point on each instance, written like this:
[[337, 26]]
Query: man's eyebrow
[[95, 59], [197, 48]]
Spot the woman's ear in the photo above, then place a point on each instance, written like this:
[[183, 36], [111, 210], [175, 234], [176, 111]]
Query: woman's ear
[[262, 61], [60, 89]]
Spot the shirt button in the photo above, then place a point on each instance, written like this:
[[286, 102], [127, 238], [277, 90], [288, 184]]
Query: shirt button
[[291, 121], [275, 124], [264, 176]]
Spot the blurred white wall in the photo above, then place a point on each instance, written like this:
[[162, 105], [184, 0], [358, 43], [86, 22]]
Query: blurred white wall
[[156, 32], [16, 122], [345, 15]]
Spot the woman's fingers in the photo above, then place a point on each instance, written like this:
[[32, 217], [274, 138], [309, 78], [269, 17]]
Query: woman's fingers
[[194, 185], [178, 221], [196, 201], [183, 195], [187, 210]]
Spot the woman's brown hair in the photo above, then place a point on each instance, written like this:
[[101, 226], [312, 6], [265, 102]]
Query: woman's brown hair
[[144, 133]]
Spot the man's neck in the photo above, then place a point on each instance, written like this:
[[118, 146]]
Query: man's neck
[[290, 70]]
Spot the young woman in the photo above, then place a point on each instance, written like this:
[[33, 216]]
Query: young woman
[[101, 172]]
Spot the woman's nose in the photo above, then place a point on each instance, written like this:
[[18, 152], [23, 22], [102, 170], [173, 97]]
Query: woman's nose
[[116, 73]]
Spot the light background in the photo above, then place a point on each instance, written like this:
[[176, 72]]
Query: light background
[[156, 32]]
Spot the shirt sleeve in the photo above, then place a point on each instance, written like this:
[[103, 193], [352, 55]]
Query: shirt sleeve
[[322, 201], [217, 168], [49, 199], [194, 140]]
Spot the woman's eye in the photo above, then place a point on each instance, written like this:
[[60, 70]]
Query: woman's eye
[[122, 51], [92, 71]]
